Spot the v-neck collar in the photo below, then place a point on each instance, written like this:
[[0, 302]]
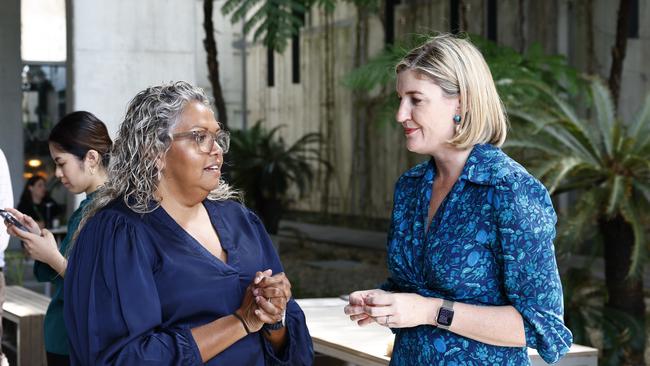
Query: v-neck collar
[[218, 224]]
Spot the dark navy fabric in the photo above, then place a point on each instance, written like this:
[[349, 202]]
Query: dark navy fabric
[[489, 243], [136, 285], [56, 337]]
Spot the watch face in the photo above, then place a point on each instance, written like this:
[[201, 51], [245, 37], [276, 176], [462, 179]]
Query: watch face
[[445, 316]]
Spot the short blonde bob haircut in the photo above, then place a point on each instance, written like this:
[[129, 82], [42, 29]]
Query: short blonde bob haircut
[[459, 69]]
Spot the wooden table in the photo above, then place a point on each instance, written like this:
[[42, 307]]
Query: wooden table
[[335, 335], [25, 309]]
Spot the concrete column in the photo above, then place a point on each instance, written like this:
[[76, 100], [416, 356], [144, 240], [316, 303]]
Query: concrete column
[[119, 47], [11, 131]]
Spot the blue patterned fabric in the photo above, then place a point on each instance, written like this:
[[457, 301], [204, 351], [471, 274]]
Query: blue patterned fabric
[[489, 243]]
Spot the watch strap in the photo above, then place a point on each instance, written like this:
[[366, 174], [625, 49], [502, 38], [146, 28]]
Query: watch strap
[[276, 326]]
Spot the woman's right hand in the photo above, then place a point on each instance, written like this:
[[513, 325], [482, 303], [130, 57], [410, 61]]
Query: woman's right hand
[[248, 311], [23, 219], [356, 309]]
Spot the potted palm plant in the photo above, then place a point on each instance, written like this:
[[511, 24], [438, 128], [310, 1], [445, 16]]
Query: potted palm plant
[[606, 163], [264, 167]]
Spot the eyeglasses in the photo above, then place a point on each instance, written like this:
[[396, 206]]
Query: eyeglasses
[[205, 139]]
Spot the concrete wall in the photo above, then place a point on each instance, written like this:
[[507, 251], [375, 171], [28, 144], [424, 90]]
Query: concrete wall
[[120, 47], [11, 129], [229, 55], [635, 83]]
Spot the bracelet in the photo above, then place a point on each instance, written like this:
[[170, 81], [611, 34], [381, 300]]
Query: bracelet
[[248, 331]]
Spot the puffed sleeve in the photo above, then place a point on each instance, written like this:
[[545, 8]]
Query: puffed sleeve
[[526, 229], [299, 349], [112, 308]]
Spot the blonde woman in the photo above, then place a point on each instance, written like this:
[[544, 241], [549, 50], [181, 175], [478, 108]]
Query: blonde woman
[[167, 269], [473, 277]]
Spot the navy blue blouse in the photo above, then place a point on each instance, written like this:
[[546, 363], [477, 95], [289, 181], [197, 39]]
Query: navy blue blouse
[[136, 284], [489, 243]]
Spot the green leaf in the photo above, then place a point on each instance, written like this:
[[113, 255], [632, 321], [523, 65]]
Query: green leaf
[[640, 127], [604, 114], [617, 191], [563, 167], [639, 251], [274, 21]]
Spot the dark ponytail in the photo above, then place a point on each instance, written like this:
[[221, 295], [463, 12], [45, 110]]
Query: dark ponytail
[[78, 132]]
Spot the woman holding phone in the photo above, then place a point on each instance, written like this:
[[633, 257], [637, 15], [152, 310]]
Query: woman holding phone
[[79, 146]]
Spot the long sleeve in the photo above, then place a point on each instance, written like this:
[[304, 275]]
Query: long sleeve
[[526, 229], [43, 272], [6, 200], [299, 348], [112, 307]]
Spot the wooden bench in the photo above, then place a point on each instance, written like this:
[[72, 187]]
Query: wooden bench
[[22, 320]]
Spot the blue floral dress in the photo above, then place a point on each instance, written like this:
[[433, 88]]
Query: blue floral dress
[[489, 243]]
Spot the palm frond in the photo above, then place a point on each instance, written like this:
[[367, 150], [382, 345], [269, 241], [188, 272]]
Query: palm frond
[[531, 143], [616, 195], [379, 71], [640, 127], [563, 167], [604, 114], [274, 21], [562, 136], [578, 127], [643, 188], [574, 227], [630, 214]]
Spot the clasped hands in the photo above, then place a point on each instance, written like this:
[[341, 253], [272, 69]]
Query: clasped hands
[[394, 310], [265, 300]]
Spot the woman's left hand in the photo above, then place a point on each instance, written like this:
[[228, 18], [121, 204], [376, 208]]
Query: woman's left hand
[[400, 310], [271, 294], [39, 247]]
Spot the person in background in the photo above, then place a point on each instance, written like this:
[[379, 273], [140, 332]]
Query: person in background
[[473, 276], [79, 146], [6, 200], [36, 203], [169, 269]]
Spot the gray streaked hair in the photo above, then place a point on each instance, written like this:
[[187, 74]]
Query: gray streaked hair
[[144, 137]]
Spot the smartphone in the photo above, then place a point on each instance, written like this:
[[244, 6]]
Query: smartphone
[[12, 220]]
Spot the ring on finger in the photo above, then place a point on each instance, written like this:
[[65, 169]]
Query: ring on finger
[[387, 320]]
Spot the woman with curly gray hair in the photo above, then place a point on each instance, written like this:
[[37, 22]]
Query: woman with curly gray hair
[[167, 269]]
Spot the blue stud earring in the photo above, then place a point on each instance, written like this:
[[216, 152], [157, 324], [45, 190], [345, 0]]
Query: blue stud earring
[[457, 119]]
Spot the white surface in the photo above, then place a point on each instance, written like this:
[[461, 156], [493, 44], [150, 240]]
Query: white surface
[[335, 335], [43, 30]]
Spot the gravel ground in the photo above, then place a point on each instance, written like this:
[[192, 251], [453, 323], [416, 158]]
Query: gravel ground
[[324, 270]]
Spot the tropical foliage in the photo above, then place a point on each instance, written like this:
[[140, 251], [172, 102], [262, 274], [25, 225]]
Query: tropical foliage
[[506, 65], [265, 168], [603, 161], [606, 162]]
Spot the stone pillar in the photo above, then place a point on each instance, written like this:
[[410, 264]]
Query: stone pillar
[[11, 131]]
